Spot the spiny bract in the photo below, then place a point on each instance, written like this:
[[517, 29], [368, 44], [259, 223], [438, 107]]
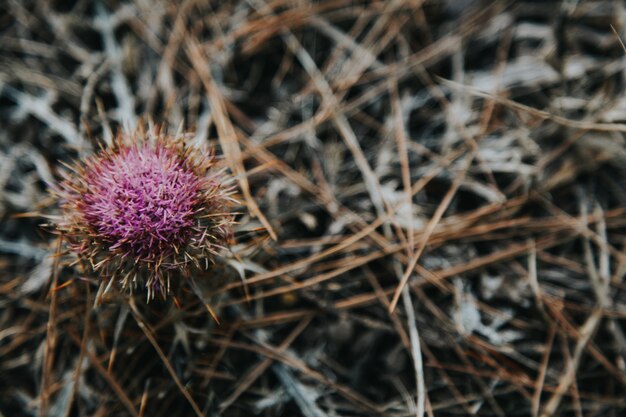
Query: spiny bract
[[146, 209]]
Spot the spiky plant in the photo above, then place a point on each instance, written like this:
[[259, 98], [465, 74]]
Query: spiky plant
[[145, 210]]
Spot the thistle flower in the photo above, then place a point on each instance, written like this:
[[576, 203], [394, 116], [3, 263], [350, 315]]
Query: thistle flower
[[146, 210]]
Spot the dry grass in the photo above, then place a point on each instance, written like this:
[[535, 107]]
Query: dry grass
[[435, 208]]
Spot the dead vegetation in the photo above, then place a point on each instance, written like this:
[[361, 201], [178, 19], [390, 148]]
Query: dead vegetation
[[435, 200]]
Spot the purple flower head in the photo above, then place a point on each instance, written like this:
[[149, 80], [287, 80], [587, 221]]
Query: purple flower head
[[142, 200], [147, 209]]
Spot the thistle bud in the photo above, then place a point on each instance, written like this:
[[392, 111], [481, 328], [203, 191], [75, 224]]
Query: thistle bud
[[146, 210]]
